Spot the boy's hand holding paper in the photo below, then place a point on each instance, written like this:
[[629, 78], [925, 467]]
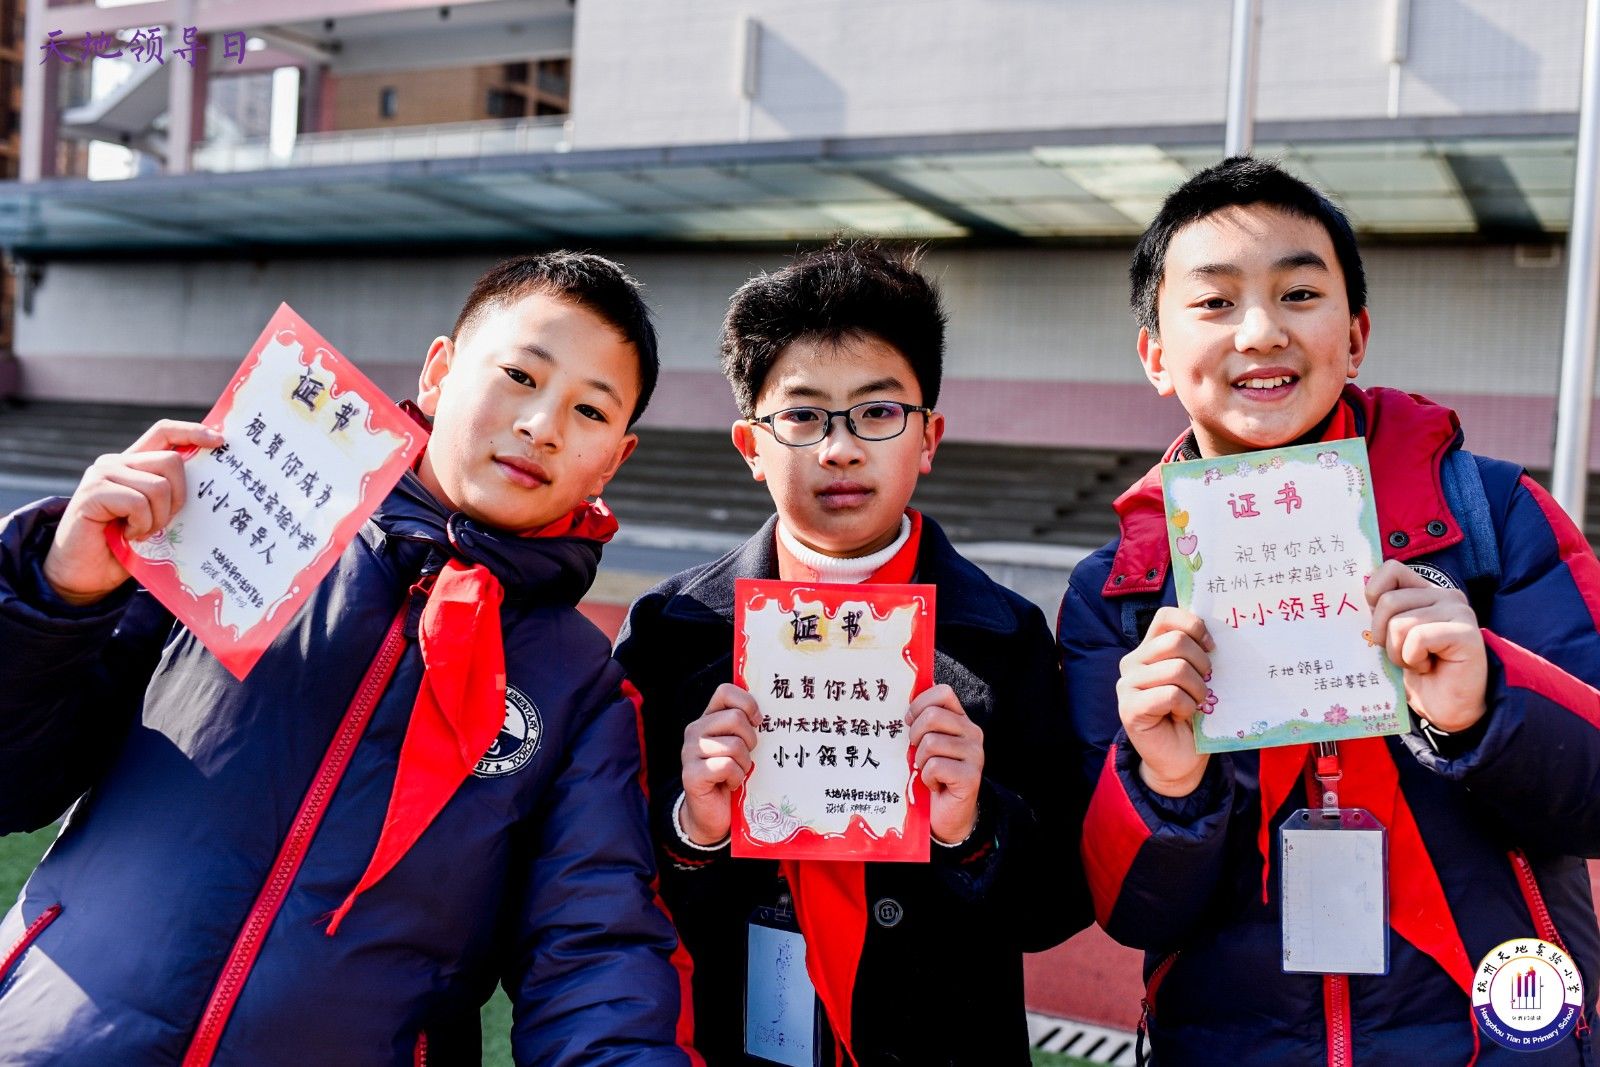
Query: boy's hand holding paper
[[294, 457], [718, 752], [1432, 633], [949, 749], [140, 488], [1161, 689]]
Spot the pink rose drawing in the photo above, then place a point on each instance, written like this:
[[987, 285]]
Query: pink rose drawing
[[772, 823], [1211, 703], [1336, 715], [1188, 543]]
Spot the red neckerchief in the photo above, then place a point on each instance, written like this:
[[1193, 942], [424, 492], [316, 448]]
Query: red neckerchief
[[830, 896], [461, 703]]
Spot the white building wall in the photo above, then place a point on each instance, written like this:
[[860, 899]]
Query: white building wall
[[1040, 349], [650, 74]]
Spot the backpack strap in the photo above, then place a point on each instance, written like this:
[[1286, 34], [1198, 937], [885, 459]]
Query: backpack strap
[[1464, 493]]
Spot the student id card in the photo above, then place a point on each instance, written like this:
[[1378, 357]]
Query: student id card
[[1334, 864], [781, 1011]]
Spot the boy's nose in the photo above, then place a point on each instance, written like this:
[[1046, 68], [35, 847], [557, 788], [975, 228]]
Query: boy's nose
[[1259, 330], [540, 429], [840, 448]]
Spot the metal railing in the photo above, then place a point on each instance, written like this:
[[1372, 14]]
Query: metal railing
[[493, 137]]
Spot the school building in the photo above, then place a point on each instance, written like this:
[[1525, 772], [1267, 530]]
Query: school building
[[365, 160]]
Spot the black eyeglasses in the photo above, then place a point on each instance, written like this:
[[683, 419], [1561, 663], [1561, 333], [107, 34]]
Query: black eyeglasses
[[874, 420]]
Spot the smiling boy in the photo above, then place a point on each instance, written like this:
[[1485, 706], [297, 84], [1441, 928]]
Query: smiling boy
[[428, 783], [1251, 303], [835, 362]]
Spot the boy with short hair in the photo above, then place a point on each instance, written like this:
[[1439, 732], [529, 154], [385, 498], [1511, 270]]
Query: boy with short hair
[[835, 362], [1251, 302], [295, 868]]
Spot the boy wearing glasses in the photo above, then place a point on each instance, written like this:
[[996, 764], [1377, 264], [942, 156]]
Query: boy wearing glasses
[[835, 362]]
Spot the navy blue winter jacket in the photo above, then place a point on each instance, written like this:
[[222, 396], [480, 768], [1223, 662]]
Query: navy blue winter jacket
[[217, 823], [1507, 812], [940, 979]]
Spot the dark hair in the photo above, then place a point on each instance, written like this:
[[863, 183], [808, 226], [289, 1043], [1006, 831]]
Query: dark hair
[[592, 282], [849, 288], [1238, 182]]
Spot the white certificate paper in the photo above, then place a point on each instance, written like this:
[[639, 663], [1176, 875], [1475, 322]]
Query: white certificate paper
[[1273, 551]]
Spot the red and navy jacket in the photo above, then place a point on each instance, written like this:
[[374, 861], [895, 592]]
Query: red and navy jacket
[[182, 914], [940, 976], [1505, 813]]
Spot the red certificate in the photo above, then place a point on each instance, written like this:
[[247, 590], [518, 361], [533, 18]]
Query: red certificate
[[834, 669], [310, 448]]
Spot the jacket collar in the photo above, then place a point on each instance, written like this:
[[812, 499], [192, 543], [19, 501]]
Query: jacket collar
[[410, 522], [1407, 436], [967, 596]]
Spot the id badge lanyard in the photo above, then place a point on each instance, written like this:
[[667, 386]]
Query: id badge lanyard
[[1334, 866]]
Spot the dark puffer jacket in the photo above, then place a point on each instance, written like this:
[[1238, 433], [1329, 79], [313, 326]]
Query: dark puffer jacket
[[1506, 813], [221, 822]]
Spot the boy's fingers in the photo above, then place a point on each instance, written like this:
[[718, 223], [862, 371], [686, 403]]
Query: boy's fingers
[[173, 434], [1178, 673], [727, 723], [938, 696], [114, 502], [729, 695], [718, 748], [723, 770], [1169, 647], [947, 747], [1397, 602], [941, 770], [1169, 619], [1393, 575], [940, 720]]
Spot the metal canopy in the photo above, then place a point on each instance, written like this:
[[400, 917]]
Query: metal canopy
[[1505, 177]]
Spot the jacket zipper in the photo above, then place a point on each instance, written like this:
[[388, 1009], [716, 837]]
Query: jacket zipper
[[301, 832], [1147, 1005], [1336, 1003], [29, 936], [420, 1057], [1542, 921]]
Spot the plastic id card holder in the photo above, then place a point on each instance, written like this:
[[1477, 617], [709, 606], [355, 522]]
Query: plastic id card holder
[[782, 1017], [1335, 865]]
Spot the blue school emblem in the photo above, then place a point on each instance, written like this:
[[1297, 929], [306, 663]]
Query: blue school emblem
[[1527, 994], [517, 740]]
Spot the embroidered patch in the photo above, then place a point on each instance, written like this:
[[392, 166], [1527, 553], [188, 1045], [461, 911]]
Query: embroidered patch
[[1434, 575], [517, 741]]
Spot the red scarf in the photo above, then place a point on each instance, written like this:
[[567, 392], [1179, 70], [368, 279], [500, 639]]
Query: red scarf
[[461, 703], [830, 896], [1418, 910]]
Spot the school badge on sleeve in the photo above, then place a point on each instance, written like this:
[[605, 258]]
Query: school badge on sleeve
[[1527, 994]]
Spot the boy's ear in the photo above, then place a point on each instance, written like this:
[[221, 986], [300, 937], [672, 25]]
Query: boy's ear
[[434, 367], [932, 434], [1153, 357], [1360, 330], [625, 449], [744, 439]]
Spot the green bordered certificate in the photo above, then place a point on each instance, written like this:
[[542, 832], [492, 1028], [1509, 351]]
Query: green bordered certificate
[[1273, 551]]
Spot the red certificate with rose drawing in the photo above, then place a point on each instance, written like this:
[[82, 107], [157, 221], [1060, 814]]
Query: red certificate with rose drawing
[[834, 669], [310, 448]]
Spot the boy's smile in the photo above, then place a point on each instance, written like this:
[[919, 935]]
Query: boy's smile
[[842, 496], [1257, 338], [531, 408]]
